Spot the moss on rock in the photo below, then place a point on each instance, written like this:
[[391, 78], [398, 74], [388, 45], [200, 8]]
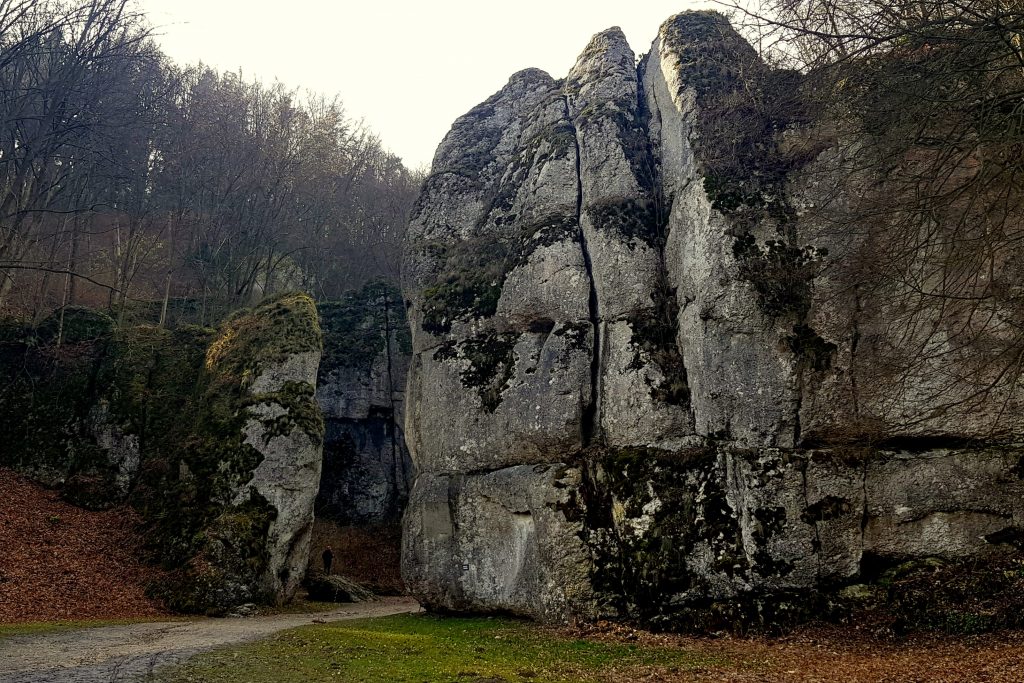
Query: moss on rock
[[470, 275], [355, 326], [186, 490], [177, 401], [782, 274], [488, 361], [227, 563], [648, 509]]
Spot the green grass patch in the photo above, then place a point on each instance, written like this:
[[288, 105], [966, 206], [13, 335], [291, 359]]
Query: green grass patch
[[430, 648]]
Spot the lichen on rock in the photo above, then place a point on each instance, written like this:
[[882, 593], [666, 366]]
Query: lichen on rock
[[684, 340]]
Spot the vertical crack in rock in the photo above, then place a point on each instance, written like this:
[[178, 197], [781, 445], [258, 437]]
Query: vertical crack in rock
[[591, 423], [817, 549], [715, 523], [798, 401], [864, 512], [396, 457], [653, 182], [854, 343]]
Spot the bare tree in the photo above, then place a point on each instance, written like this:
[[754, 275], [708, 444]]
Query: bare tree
[[925, 99], [127, 181]]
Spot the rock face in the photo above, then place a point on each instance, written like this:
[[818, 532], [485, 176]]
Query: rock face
[[253, 466], [506, 540], [361, 391], [641, 376], [214, 436], [288, 474]]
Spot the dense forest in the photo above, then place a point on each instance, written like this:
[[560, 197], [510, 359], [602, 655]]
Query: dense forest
[[162, 191]]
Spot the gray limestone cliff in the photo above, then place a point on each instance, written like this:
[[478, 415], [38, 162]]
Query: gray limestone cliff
[[642, 383], [367, 472]]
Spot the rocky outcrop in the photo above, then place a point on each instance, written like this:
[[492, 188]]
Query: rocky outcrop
[[213, 436], [251, 472], [644, 380], [288, 474], [367, 472], [507, 540], [708, 538]]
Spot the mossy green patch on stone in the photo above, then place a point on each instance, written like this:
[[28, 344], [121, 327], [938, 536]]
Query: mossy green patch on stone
[[228, 558], [175, 402], [356, 326], [79, 324], [301, 411], [648, 509], [654, 340], [45, 406], [630, 218], [250, 340], [743, 104], [470, 274], [468, 283], [152, 374], [491, 366], [782, 274], [488, 361]]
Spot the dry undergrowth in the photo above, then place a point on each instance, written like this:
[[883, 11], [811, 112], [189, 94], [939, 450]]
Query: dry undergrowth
[[828, 654]]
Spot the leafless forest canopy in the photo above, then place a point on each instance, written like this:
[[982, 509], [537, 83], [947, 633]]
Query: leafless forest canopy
[[158, 190]]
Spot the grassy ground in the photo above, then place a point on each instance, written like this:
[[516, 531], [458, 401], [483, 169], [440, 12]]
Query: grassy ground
[[427, 648]]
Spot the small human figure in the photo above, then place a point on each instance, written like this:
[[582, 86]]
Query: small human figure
[[328, 558]]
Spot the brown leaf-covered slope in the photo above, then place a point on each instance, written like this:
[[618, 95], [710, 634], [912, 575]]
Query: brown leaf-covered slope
[[824, 653], [58, 561]]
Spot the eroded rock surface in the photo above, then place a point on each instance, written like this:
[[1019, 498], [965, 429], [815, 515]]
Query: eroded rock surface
[[214, 436], [642, 373], [367, 472], [288, 475]]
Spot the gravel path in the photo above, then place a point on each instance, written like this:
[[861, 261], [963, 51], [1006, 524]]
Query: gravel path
[[132, 652]]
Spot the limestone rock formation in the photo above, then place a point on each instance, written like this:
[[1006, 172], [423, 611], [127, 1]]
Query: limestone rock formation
[[642, 383], [288, 474], [504, 540], [213, 436], [361, 391]]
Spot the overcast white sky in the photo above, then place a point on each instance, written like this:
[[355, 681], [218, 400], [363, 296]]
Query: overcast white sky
[[409, 68]]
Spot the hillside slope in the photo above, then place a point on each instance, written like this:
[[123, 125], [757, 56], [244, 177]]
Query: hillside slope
[[59, 561]]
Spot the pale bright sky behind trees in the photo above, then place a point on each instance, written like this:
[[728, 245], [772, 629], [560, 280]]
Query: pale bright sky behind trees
[[408, 68]]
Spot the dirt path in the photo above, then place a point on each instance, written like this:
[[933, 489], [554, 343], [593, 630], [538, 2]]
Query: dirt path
[[132, 652]]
